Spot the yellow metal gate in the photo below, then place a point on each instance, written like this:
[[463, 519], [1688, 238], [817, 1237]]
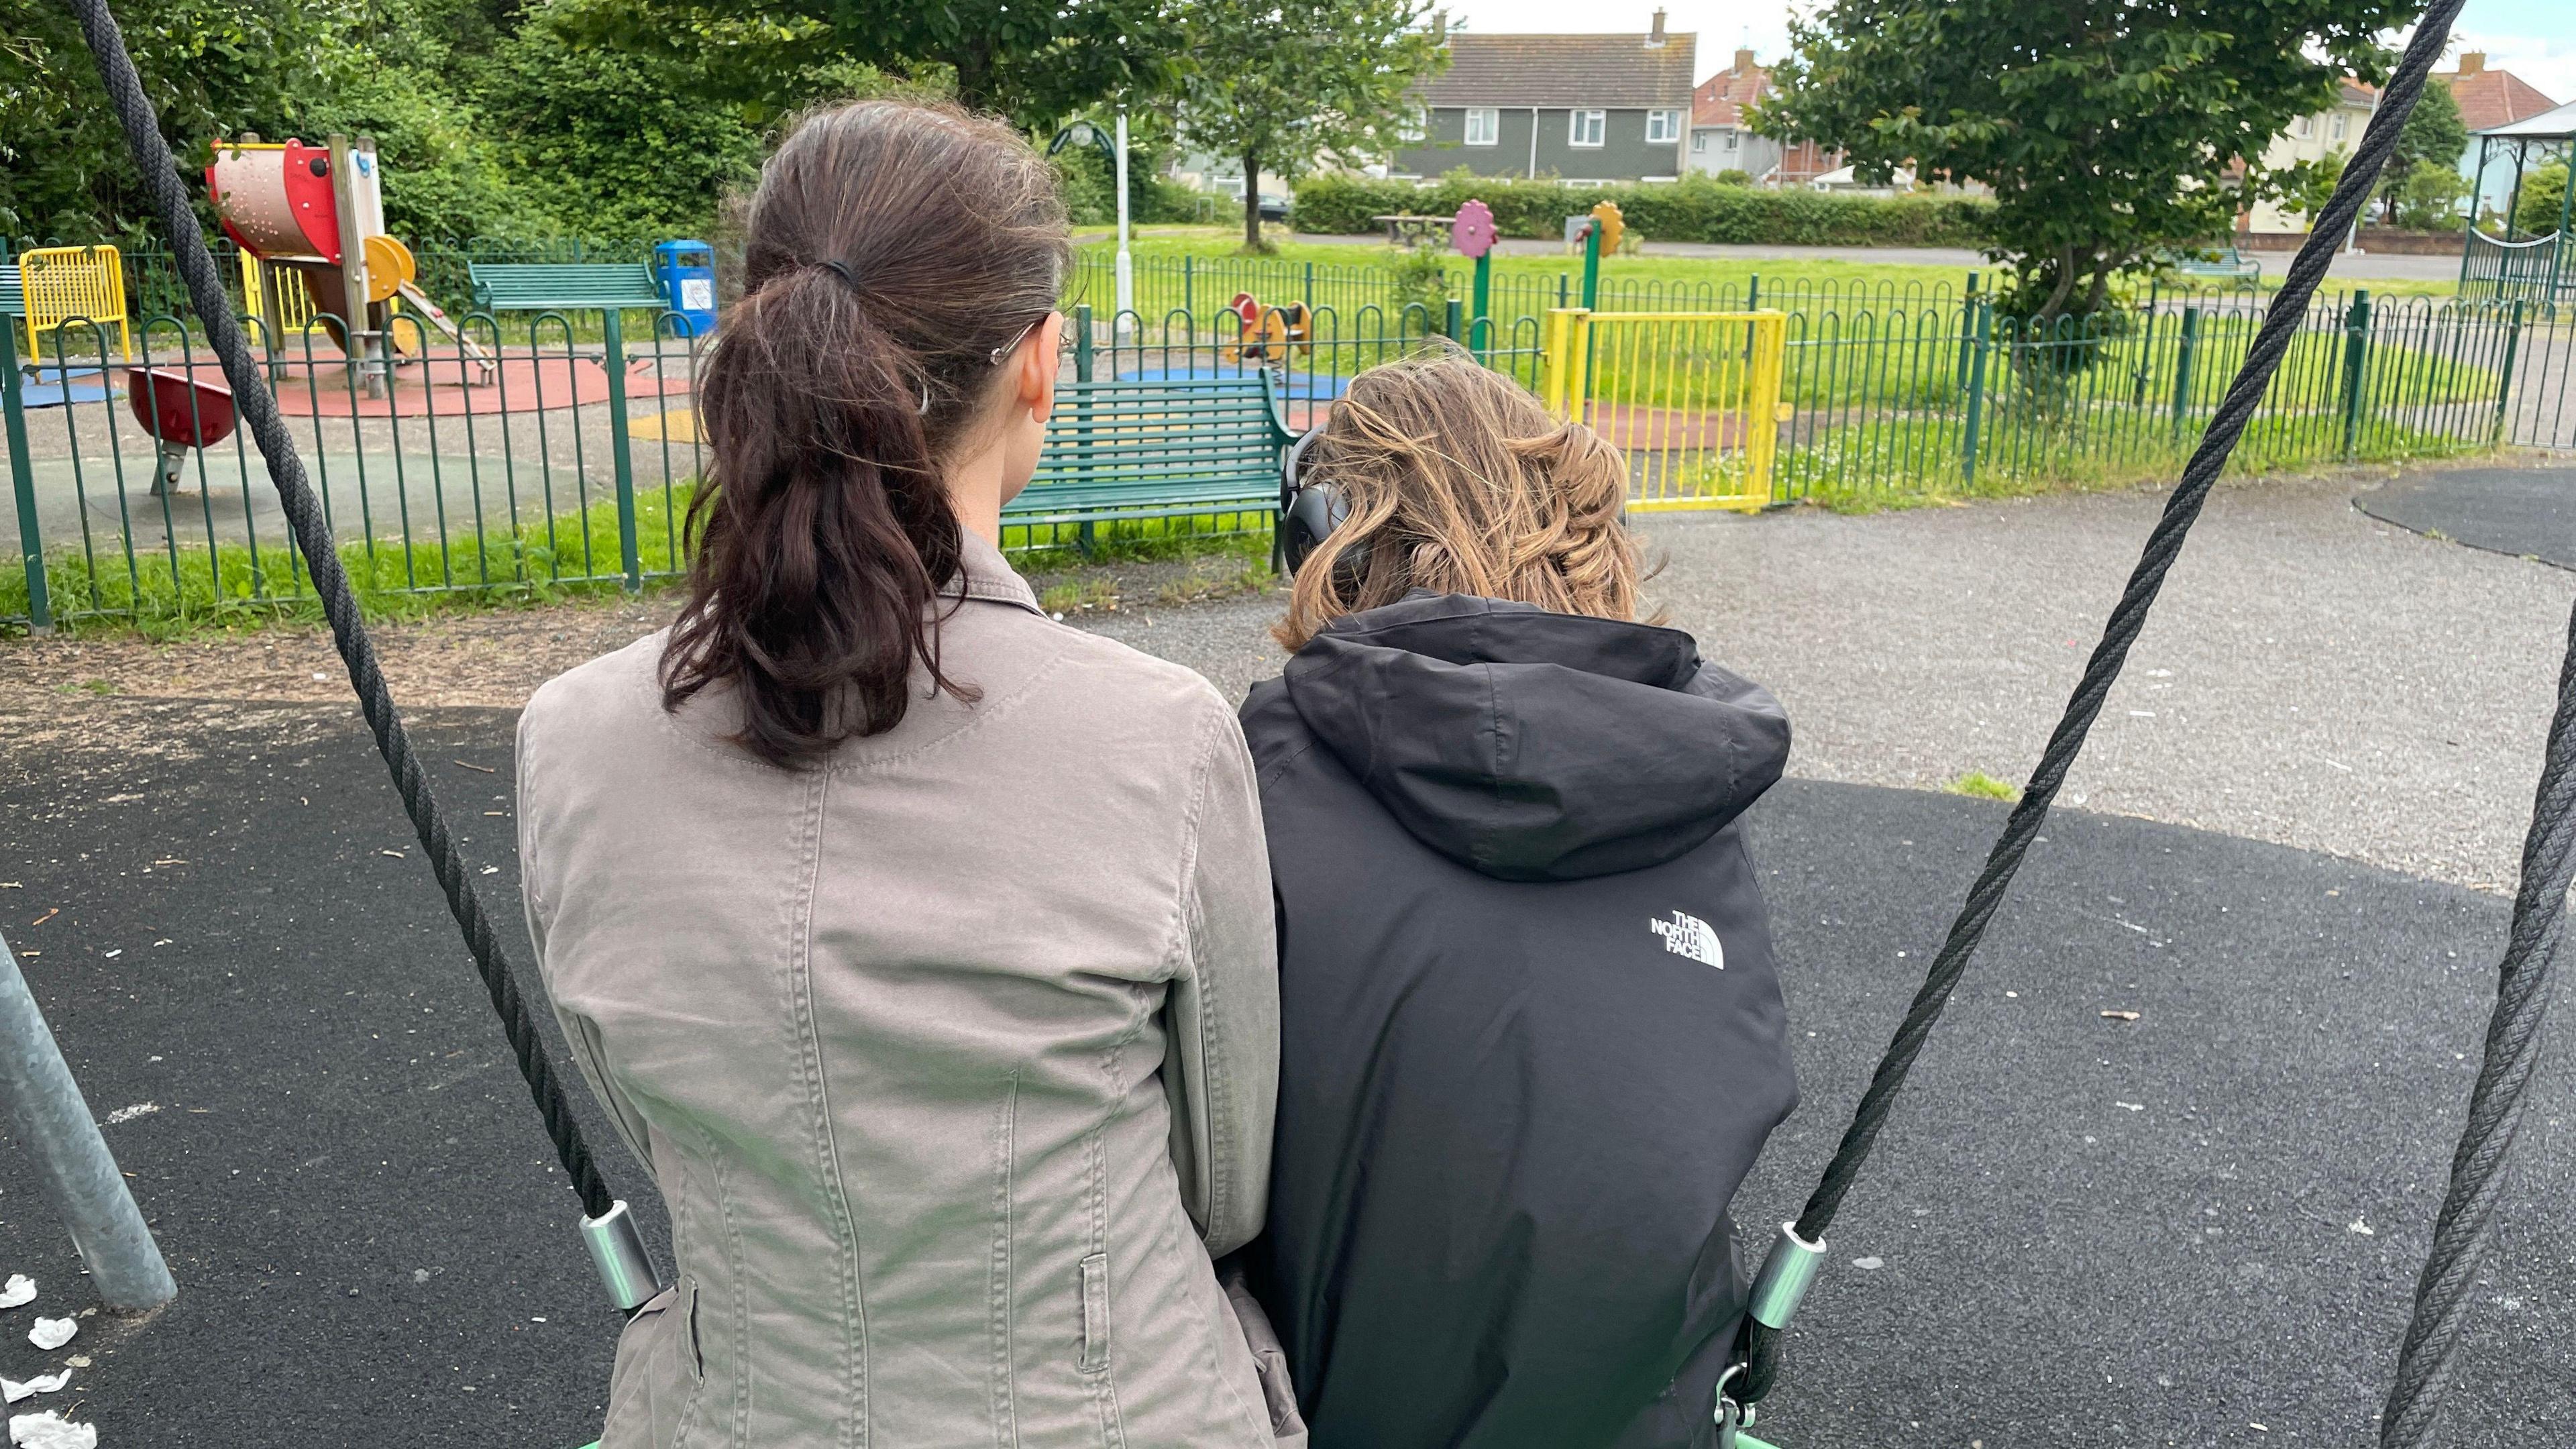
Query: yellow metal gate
[[1692, 399]]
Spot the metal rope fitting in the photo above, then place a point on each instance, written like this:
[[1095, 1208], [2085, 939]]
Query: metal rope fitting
[[617, 1251], [1792, 1266]]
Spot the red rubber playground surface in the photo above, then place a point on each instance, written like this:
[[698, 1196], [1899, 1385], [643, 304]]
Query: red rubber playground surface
[[439, 382]]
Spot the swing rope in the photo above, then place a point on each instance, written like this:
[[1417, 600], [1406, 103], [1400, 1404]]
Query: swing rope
[[2462, 1231], [2514, 1032], [331, 584], [1760, 1342]]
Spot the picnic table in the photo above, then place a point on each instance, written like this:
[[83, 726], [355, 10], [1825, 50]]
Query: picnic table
[[1402, 230]]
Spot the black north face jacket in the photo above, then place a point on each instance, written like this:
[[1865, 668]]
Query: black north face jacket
[[1531, 1038]]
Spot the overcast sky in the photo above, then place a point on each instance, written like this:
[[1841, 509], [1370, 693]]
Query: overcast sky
[[2535, 39]]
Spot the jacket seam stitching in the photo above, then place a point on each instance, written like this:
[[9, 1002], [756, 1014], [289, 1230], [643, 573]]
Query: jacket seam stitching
[[1210, 1043], [800, 945]]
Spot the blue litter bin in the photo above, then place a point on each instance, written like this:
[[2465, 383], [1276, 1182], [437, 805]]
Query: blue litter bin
[[686, 273]]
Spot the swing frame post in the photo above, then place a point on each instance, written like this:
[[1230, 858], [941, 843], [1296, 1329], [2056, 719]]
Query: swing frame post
[[80, 1177]]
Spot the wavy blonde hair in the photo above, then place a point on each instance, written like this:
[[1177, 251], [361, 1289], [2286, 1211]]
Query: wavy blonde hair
[[1461, 483]]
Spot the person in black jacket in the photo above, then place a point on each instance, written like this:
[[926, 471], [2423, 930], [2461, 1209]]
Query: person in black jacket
[[1531, 1035]]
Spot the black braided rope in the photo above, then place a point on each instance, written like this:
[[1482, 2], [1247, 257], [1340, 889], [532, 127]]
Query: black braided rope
[[2495, 1106], [313, 535], [2280, 324]]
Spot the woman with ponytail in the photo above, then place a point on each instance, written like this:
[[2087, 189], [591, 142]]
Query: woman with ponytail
[[921, 947]]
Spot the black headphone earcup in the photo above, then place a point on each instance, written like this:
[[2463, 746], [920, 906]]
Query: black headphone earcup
[[1313, 512]]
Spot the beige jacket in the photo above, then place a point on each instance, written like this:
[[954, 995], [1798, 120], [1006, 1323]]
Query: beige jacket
[[954, 1060]]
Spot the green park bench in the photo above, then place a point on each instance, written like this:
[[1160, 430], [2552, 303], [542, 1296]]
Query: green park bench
[[1122, 449], [563, 286], [2218, 262], [13, 298]]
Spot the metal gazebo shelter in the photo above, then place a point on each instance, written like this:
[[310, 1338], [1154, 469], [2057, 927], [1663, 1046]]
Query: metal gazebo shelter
[[2539, 266]]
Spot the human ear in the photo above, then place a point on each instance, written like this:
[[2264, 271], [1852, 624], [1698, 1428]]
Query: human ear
[[1037, 365]]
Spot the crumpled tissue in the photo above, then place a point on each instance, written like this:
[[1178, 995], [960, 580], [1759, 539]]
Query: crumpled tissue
[[50, 1430], [11, 1391]]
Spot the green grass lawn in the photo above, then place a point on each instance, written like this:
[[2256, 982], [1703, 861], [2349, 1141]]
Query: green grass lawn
[[1529, 279]]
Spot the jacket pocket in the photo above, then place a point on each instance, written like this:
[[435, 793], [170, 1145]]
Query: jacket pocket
[[1269, 1359], [652, 1381], [1095, 1313]]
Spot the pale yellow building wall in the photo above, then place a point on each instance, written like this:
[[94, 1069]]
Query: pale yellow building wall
[[2310, 138]]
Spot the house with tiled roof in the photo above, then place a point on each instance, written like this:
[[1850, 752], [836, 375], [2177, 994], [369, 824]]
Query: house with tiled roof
[[2329, 134], [1722, 137], [1583, 108], [2488, 99]]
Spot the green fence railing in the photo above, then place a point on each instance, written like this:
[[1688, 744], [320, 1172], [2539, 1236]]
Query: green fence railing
[[512, 485]]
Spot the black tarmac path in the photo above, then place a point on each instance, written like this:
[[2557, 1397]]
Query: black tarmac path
[[2200, 1227], [2525, 512]]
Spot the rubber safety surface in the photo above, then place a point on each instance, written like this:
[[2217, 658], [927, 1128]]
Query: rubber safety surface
[[2526, 512], [2197, 1227]]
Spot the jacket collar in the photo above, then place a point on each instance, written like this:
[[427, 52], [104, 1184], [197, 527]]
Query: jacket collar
[[984, 574]]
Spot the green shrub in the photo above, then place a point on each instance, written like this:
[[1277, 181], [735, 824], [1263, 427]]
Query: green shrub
[[1696, 209]]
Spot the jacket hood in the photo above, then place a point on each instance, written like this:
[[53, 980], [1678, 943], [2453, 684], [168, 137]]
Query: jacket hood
[[1530, 745]]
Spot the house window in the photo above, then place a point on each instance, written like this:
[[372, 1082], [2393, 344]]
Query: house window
[[2341, 121], [1699, 142], [1416, 124], [1730, 140], [1663, 127], [1484, 126], [1583, 128], [2307, 127]]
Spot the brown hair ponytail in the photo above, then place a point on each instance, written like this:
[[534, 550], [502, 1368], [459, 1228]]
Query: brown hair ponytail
[[891, 247]]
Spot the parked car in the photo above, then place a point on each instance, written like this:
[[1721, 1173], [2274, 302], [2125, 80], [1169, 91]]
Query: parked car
[[1273, 208]]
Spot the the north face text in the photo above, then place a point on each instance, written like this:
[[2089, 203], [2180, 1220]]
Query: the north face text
[[1688, 935]]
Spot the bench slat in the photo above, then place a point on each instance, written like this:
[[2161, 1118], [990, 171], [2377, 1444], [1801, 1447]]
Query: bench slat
[[1119, 449], [541, 286]]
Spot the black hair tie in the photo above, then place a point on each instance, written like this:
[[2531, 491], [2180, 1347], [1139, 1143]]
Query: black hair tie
[[841, 270]]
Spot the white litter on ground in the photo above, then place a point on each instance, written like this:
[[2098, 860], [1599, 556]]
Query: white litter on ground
[[50, 1430], [52, 1333], [128, 1114], [12, 1391], [21, 1290]]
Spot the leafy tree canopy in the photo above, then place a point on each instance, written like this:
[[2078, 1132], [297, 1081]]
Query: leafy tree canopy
[[2108, 132], [1280, 84], [1034, 62]]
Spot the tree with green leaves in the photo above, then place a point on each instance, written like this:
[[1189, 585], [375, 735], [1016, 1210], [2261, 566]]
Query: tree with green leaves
[[2433, 139], [2109, 134], [1283, 84], [2542, 209], [1034, 63]]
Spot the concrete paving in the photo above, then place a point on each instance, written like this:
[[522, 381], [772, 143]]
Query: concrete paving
[[2311, 676]]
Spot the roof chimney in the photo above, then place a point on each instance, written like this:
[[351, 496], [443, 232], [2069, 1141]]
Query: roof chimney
[[2472, 61], [1744, 60], [1655, 37]]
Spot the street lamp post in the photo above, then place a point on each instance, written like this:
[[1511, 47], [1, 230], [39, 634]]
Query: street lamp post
[[1084, 133], [1126, 262]]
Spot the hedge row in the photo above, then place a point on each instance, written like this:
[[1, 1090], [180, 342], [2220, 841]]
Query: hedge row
[[1697, 209]]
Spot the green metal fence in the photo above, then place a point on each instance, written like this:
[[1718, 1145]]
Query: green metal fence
[[517, 486]]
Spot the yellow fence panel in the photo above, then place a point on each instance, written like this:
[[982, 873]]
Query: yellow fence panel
[[294, 303], [75, 284], [1692, 399]]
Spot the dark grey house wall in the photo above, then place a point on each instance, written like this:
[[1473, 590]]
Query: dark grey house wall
[[1622, 156]]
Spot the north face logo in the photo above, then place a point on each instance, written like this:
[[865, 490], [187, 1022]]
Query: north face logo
[[1688, 935]]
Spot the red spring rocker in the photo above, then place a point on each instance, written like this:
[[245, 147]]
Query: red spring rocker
[[181, 413]]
